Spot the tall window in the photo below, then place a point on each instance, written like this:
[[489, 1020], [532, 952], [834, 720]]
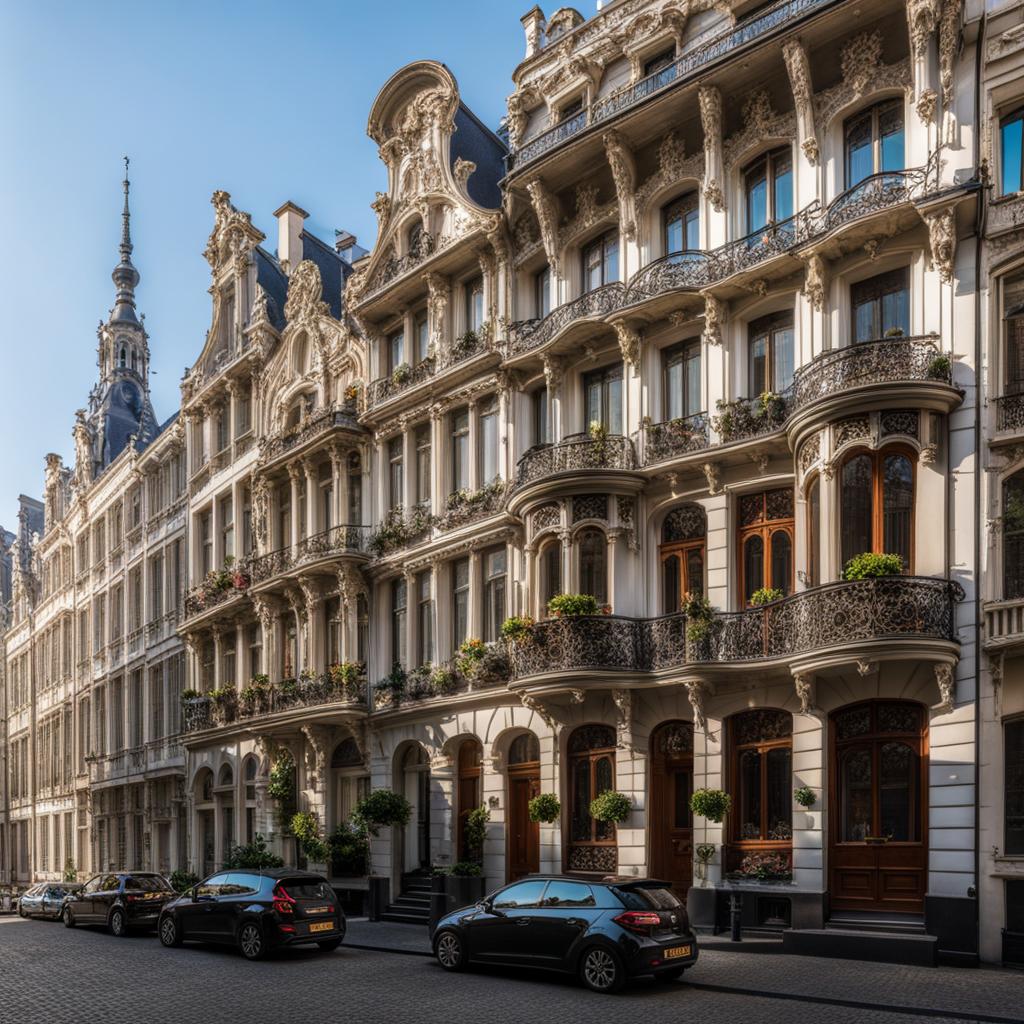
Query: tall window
[[681, 553], [682, 380], [474, 294], [881, 306], [591, 772], [768, 184], [681, 225], [227, 527], [396, 351], [1013, 537], [602, 392], [423, 463], [1011, 152], [421, 329], [539, 410], [254, 638], [1013, 758], [770, 353], [593, 554], [495, 584], [874, 141], [761, 787], [206, 541], [601, 261], [1013, 317], [489, 440], [396, 471], [425, 619], [876, 504], [460, 449], [460, 602], [550, 567], [814, 531], [542, 291], [399, 599], [766, 542]]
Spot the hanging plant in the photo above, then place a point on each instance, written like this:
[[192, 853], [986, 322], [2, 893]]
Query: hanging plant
[[712, 804], [611, 806], [545, 807], [383, 808]]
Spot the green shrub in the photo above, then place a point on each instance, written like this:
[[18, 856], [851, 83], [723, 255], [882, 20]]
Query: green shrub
[[460, 869], [190, 694], [517, 628], [564, 606], [443, 680], [870, 565], [70, 871], [182, 880], [610, 806], [471, 652], [383, 808], [349, 849], [281, 787], [475, 831], [766, 595], [305, 826], [894, 332], [712, 804], [804, 796], [545, 807], [401, 373], [252, 856], [940, 368]]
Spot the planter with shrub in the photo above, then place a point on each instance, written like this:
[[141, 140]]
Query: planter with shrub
[[567, 606], [766, 595], [545, 807], [611, 806], [871, 565]]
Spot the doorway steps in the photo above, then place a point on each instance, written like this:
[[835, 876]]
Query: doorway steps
[[412, 905], [852, 935]]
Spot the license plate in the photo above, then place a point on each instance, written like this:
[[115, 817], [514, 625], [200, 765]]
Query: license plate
[[322, 926], [677, 951]]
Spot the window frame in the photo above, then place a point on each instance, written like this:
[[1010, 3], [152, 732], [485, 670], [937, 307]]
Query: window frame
[[684, 352], [762, 747], [769, 161], [604, 376], [766, 528], [768, 327], [875, 288], [873, 113], [1015, 848], [1015, 115], [685, 208], [606, 248]]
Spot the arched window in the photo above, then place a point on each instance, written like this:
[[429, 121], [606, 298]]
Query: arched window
[[874, 141], [226, 777], [123, 358], [876, 504], [766, 542], [593, 551], [524, 749], [814, 531], [1013, 536], [761, 780], [682, 555], [591, 773], [549, 564], [768, 185], [417, 239], [680, 222]]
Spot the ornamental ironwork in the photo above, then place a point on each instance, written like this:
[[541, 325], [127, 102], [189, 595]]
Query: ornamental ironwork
[[590, 506], [594, 858], [688, 522], [762, 725], [675, 738], [314, 426], [401, 379], [1010, 412], [546, 517], [577, 453], [271, 564], [672, 438], [900, 421], [853, 428], [390, 269], [337, 540], [591, 737], [898, 718], [528, 335]]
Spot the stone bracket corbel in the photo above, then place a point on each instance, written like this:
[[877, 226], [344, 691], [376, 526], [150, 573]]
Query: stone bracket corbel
[[799, 69], [545, 206], [806, 693], [711, 124], [623, 166], [946, 682]]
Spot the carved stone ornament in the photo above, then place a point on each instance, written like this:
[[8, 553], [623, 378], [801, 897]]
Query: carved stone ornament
[[620, 159], [947, 687], [462, 170], [545, 206], [942, 241], [381, 206], [799, 70], [863, 72], [695, 695], [674, 166], [317, 744], [232, 232], [554, 371], [760, 122], [711, 123], [712, 473], [949, 41], [715, 313], [815, 280], [534, 705], [629, 343], [922, 18], [84, 466], [926, 104], [804, 686], [305, 295]]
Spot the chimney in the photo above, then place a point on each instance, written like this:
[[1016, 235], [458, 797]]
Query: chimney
[[533, 22], [346, 246], [289, 235]]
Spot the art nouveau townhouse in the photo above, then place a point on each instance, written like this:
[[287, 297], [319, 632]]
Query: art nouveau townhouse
[[1001, 306], [278, 484], [94, 668], [734, 312]]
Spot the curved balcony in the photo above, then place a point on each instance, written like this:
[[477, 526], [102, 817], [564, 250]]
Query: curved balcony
[[332, 543], [257, 703], [218, 588], [527, 335], [291, 441], [673, 438], [398, 266], [1010, 413], [828, 620], [578, 453]]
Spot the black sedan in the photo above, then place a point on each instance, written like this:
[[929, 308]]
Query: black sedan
[[121, 900], [46, 899], [257, 911], [605, 932]]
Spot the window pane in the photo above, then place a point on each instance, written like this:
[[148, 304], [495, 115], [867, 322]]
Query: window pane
[[890, 126], [855, 795], [1012, 150], [593, 574], [525, 894], [782, 560], [897, 506], [783, 188], [753, 567], [580, 824], [695, 571], [422, 339], [758, 365], [1013, 537], [780, 788], [489, 447], [782, 359], [750, 795], [673, 386], [859, 161], [865, 321], [757, 201], [896, 311], [692, 230], [813, 530], [611, 260], [674, 234], [1014, 761], [613, 420], [569, 894], [856, 507], [603, 781], [692, 404], [670, 584], [897, 792], [551, 568]]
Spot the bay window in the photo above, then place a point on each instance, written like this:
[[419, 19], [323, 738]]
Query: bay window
[[876, 504]]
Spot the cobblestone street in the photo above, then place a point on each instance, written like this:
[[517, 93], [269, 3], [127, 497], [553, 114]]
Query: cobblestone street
[[53, 976]]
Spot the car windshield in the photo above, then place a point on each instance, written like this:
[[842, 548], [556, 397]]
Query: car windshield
[[643, 898], [147, 883], [305, 889]]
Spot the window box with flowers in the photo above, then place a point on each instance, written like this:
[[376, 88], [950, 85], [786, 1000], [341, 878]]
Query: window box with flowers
[[481, 662]]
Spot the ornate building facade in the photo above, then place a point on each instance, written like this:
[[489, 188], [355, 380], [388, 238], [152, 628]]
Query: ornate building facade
[[720, 334]]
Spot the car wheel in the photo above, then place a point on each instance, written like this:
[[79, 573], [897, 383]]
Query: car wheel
[[169, 934], [250, 941], [118, 925], [449, 950], [329, 945], [69, 918], [21, 912], [664, 977], [601, 970]]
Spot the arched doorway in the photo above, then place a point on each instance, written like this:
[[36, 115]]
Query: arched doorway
[[349, 781], [225, 797], [415, 768], [470, 794], [878, 841], [205, 835], [523, 786], [593, 845], [670, 819]]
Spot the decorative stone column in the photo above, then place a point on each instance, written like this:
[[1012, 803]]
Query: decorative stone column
[[809, 752], [311, 493], [443, 810], [494, 794], [294, 475]]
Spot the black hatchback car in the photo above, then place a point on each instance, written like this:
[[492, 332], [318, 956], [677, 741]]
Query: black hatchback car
[[122, 900], [257, 911], [605, 932]]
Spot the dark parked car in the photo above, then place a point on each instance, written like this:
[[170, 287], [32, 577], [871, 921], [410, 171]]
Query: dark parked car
[[257, 911], [122, 900], [45, 899], [605, 932]]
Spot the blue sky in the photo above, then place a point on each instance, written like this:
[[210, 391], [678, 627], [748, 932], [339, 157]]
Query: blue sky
[[268, 100]]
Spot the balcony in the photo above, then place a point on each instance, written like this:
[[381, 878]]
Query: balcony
[[310, 429], [833, 617], [1010, 413], [398, 266], [427, 682], [113, 768], [528, 335], [218, 587], [673, 438], [266, 701], [338, 540], [686, 68], [578, 453], [1004, 624]]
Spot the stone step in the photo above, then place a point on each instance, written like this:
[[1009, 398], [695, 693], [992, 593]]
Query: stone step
[[881, 947], [411, 900], [402, 916], [887, 925]]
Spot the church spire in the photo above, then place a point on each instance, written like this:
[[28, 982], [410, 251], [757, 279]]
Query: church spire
[[125, 276]]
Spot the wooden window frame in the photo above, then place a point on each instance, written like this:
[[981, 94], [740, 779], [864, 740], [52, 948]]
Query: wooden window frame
[[590, 758], [873, 112], [879, 292], [765, 528], [762, 747]]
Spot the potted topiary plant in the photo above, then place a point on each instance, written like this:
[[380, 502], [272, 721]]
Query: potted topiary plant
[[611, 806], [940, 368], [805, 796], [568, 606], [545, 807], [712, 804], [382, 808]]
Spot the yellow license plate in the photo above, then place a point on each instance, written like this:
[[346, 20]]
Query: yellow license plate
[[677, 951], [322, 926]]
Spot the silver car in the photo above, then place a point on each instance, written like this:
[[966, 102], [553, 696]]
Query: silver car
[[46, 899]]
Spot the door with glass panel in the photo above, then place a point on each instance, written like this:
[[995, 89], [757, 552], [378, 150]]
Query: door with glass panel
[[602, 394], [878, 849], [592, 844], [671, 823], [765, 531]]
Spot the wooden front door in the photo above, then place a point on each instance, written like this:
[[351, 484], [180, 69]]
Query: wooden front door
[[671, 823], [878, 842], [523, 834]]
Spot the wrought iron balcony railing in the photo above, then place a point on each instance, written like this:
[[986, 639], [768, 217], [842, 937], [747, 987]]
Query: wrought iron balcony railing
[[1010, 412], [319, 423], [527, 335], [337, 540], [397, 266], [829, 616], [672, 438], [273, 563], [578, 452], [684, 69], [218, 587]]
